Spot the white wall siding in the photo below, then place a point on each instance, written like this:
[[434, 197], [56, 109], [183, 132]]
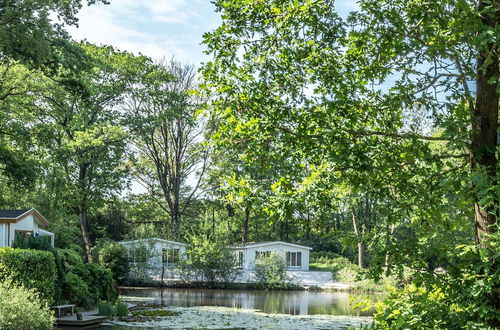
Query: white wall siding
[[26, 224], [3, 232], [281, 249], [155, 249]]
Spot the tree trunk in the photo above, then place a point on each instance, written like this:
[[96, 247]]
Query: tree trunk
[[484, 127], [176, 223], [484, 123], [244, 238], [359, 236], [84, 225], [82, 210], [361, 254]]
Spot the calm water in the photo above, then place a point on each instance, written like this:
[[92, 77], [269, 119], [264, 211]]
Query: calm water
[[272, 302]]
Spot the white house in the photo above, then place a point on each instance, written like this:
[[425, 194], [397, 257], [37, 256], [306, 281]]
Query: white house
[[155, 251], [26, 222], [296, 256]]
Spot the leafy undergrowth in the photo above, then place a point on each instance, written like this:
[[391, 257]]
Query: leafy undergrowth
[[344, 271]]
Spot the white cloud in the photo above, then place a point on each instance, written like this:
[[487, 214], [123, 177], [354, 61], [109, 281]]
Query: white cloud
[[156, 28]]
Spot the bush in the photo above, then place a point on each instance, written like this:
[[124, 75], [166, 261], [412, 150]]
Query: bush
[[33, 269], [114, 257], [69, 259], [322, 256], [99, 281], [23, 309], [270, 271], [22, 241], [66, 260], [75, 290], [213, 260], [462, 297]]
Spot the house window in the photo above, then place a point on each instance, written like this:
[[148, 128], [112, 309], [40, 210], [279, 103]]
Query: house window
[[239, 259], [262, 254], [24, 233], [294, 259], [170, 256]]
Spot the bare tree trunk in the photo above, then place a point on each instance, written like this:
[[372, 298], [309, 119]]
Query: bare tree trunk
[[246, 219], [84, 225], [386, 262], [82, 210], [361, 254], [361, 245]]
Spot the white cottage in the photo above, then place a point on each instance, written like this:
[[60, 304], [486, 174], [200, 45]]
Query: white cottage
[[296, 256], [26, 222], [155, 251]]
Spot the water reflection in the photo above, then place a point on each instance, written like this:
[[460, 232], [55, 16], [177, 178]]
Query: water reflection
[[272, 302]]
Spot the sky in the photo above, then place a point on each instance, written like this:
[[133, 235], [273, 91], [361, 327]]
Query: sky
[[156, 28]]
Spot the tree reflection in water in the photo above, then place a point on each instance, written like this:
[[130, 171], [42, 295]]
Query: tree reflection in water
[[272, 302]]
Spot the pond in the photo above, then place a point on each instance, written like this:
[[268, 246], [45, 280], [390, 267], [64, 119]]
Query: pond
[[262, 302]]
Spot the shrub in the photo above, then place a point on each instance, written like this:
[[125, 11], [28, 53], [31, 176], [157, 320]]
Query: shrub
[[23, 309], [113, 256], [462, 297], [69, 259], [75, 290], [213, 260], [270, 271], [99, 281], [22, 241], [322, 256], [33, 269], [66, 260]]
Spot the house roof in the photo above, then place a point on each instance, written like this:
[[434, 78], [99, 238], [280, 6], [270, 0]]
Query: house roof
[[261, 244], [152, 239], [13, 216]]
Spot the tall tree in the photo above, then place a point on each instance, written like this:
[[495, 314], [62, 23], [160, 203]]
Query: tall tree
[[168, 135], [336, 92], [29, 34], [81, 126]]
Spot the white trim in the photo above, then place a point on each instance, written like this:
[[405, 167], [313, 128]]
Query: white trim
[[19, 216], [152, 239], [252, 245], [42, 232]]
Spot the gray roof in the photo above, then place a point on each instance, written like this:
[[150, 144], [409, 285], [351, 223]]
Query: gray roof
[[258, 244], [12, 214], [152, 239]]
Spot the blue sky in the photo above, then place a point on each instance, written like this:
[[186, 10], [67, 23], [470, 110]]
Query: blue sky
[[156, 28]]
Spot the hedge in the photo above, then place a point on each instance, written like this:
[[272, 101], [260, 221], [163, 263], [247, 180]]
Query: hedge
[[32, 269], [99, 281]]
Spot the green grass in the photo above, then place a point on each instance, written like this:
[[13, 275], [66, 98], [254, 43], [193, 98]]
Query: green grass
[[316, 266]]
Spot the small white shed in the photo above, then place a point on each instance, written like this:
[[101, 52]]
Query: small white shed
[[156, 252], [25, 222], [296, 256]]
